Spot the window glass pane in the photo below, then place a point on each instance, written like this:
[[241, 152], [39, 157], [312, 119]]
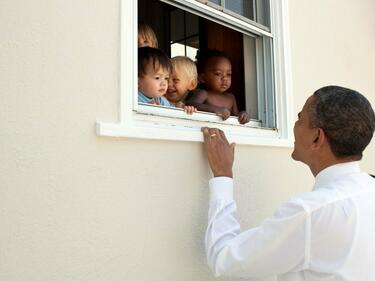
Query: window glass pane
[[241, 7], [251, 77], [266, 99], [218, 2], [262, 12], [255, 10]]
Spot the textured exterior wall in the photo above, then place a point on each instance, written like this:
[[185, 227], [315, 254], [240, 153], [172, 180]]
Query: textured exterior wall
[[75, 206]]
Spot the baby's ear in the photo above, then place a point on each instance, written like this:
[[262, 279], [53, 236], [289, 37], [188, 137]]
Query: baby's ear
[[193, 84]]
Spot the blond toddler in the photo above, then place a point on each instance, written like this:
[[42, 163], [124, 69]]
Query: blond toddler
[[183, 79]]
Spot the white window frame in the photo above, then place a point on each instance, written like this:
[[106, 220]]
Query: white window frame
[[155, 122]]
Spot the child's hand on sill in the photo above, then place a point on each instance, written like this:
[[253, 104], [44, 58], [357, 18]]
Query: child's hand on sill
[[189, 109], [243, 117], [156, 102], [223, 112]]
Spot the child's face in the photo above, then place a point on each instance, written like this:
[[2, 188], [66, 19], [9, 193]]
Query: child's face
[[179, 84], [217, 75], [154, 84], [143, 42]]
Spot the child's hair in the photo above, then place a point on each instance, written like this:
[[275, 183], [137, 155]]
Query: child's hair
[[151, 56], [203, 56], [187, 65], [148, 34]]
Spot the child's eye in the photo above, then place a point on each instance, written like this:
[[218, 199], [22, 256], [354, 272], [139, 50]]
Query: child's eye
[[157, 77]]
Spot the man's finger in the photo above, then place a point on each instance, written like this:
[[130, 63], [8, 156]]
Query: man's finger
[[204, 131], [223, 137], [233, 147], [206, 134]]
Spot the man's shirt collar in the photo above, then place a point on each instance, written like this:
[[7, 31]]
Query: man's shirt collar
[[335, 172]]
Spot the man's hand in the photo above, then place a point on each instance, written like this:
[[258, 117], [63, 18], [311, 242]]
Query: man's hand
[[220, 153]]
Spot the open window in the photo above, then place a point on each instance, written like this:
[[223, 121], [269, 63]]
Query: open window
[[253, 33]]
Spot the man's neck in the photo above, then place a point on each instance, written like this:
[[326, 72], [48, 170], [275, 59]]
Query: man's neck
[[321, 165]]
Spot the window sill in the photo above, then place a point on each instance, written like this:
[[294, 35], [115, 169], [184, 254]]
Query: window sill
[[162, 123]]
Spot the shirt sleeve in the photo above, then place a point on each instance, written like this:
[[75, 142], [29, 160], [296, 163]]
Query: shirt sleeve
[[277, 246]]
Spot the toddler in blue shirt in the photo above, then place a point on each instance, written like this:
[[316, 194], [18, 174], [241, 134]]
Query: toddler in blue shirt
[[153, 74]]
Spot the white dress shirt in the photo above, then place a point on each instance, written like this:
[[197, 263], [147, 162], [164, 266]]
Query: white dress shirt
[[325, 234]]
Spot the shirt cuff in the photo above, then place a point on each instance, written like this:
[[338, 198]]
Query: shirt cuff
[[221, 188]]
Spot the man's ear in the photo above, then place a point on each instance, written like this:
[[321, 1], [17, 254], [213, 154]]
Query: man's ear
[[193, 84], [319, 138]]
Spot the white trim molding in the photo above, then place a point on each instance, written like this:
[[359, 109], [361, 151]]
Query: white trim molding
[[155, 122]]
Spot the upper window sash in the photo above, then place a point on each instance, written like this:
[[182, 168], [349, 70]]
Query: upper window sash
[[198, 8], [260, 11]]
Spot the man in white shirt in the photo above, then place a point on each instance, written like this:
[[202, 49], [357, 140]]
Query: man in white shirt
[[325, 234]]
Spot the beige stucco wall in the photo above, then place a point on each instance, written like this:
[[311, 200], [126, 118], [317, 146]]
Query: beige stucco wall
[[75, 206]]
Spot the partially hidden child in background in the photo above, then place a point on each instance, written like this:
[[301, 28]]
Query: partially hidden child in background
[[146, 36], [154, 68], [183, 79], [214, 75]]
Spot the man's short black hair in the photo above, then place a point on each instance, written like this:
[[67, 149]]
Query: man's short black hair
[[346, 118], [156, 57]]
